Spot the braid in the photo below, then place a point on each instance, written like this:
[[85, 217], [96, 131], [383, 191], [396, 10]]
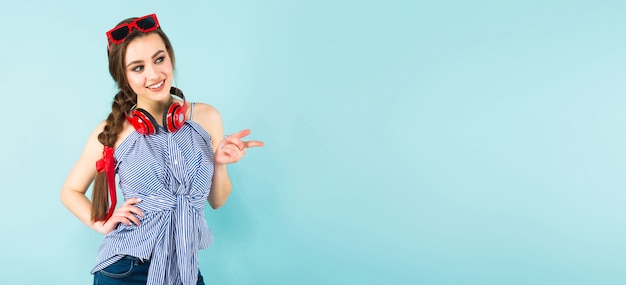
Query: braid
[[114, 125], [122, 102]]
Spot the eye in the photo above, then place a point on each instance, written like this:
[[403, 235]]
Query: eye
[[137, 68], [160, 59]]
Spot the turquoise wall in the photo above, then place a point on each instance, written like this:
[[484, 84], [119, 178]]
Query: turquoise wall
[[407, 142]]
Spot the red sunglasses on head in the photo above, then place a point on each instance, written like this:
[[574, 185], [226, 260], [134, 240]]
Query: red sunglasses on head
[[144, 24]]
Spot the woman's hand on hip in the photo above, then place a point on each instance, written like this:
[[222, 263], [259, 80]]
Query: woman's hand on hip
[[126, 214]]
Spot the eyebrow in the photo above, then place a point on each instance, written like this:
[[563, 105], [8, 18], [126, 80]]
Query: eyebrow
[[140, 61]]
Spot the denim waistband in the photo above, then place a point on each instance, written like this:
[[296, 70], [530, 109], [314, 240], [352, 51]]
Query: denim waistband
[[136, 260]]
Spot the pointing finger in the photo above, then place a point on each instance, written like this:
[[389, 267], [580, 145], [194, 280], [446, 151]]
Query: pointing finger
[[249, 144]]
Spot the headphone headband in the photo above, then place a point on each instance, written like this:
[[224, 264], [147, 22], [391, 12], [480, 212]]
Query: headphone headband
[[177, 92]]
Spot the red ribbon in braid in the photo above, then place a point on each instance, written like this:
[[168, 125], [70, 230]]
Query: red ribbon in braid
[[107, 164]]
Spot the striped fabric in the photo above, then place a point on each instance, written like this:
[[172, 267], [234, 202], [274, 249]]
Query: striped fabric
[[172, 174]]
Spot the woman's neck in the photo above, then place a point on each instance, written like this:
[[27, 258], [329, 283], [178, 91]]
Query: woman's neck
[[155, 108]]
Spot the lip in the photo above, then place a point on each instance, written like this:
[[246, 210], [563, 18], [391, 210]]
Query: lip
[[157, 89]]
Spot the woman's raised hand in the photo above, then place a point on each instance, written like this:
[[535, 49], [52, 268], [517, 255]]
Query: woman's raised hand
[[231, 149]]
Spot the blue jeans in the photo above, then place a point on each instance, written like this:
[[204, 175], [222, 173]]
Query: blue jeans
[[128, 271]]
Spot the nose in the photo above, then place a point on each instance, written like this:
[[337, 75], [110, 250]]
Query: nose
[[152, 72]]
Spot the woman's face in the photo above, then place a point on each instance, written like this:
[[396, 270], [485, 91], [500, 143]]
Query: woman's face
[[149, 69]]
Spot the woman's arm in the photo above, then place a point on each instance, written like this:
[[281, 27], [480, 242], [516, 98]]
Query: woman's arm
[[209, 118], [227, 150], [79, 179]]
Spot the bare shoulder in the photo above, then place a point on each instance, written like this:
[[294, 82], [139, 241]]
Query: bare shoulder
[[203, 111], [93, 147], [206, 114], [127, 129], [99, 128], [209, 118]]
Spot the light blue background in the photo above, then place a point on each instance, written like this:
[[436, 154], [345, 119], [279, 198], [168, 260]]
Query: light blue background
[[407, 142]]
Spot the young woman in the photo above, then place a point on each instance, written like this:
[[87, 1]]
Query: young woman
[[170, 156]]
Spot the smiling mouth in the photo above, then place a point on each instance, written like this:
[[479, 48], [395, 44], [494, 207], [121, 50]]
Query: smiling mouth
[[155, 86]]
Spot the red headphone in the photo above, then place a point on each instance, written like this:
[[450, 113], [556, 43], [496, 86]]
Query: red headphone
[[173, 117]]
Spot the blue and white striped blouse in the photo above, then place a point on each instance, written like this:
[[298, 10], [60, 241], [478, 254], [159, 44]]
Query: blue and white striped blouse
[[172, 174]]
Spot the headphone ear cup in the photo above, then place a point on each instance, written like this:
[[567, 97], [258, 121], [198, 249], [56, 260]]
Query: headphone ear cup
[[174, 117], [143, 122]]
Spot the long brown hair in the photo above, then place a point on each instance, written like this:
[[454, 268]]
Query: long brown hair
[[122, 102]]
